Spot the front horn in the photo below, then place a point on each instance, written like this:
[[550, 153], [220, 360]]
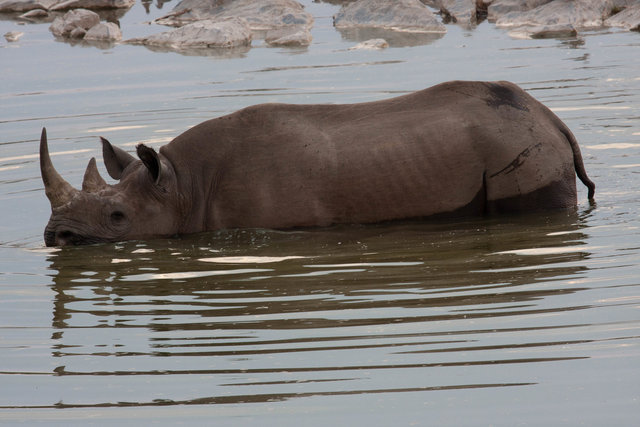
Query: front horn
[[58, 190]]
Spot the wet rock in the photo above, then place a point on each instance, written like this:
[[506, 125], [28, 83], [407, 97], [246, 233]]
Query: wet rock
[[482, 5], [261, 15], [629, 18], [289, 36], [77, 33], [544, 32], [431, 3], [92, 4], [619, 5], [227, 33], [462, 12], [396, 15], [8, 6], [34, 15], [373, 44], [77, 19], [13, 36], [502, 7], [578, 13], [104, 32]]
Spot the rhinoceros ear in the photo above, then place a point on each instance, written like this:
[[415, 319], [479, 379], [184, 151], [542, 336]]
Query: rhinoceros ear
[[151, 160], [115, 159]]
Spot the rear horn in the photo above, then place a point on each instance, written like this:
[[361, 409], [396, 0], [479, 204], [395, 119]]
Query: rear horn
[[92, 181]]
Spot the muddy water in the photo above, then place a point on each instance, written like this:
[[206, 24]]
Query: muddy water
[[528, 320]]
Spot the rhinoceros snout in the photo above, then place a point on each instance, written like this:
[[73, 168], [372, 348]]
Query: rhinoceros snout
[[62, 237], [50, 238]]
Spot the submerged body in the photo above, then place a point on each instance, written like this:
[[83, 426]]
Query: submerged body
[[458, 148]]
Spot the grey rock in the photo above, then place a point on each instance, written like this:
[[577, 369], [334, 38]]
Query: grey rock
[[227, 33], [373, 44], [462, 12], [13, 36], [104, 32], [84, 19], [92, 4], [8, 6], [502, 7], [629, 18], [544, 32], [77, 33], [396, 15], [262, 15], [618, 5], [34, 15], [578, 13], [289, 36]]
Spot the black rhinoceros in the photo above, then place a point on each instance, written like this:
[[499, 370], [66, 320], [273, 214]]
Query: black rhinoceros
[[458, 148]]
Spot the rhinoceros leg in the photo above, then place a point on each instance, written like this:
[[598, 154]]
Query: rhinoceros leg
[[556, 195]]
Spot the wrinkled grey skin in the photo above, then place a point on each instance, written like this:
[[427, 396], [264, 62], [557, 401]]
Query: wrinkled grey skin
[[143, 204], [458, 148]]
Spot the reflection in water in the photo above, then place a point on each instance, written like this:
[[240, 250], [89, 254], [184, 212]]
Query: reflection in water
[[344, 310], [367, 319], [394, 38], [219, 53]]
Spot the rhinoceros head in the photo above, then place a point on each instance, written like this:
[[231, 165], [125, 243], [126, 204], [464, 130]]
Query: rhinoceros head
[[143, 203]]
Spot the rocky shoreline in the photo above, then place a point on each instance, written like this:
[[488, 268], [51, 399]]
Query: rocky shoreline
[[233, 24]]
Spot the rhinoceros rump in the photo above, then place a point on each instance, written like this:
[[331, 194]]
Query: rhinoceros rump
[[458, 148]]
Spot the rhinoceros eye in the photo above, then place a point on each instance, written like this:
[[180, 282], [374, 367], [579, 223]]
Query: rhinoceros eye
[[117, 217]]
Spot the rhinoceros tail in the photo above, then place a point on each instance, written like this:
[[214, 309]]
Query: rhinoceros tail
[[577, 161]]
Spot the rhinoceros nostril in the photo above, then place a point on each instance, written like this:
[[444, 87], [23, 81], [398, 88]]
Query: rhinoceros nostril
[[65, 237]]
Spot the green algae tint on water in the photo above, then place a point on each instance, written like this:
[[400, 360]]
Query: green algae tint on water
[[511, 320]]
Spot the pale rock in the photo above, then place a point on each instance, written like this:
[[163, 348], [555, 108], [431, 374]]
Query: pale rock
[[84, 19], [432, 3], [462, 12], [92, 4], [373, 44], [629, 18], [8, 6], [34, 15], [262, 15], [13, 36], [578, 13], [77, 33], [228, 33], [621, 4], [544, 32], [502, 7], [396, 15], [289, 36], [104, 32]]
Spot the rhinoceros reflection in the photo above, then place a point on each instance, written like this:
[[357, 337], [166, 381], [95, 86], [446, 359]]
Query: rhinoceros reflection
[[284, 280], [268, 316]]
